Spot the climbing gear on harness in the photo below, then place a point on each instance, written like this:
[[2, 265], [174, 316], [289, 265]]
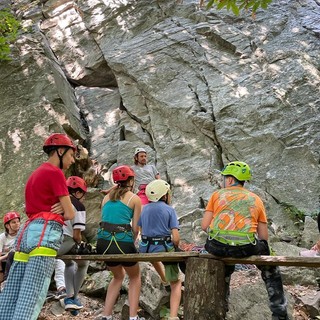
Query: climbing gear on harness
[[231, 237], [75, 182], [39, 251], [139, 150], [148, 241], [10, 216], [240, 170], [82, 248], [156, 189], [122, 173]]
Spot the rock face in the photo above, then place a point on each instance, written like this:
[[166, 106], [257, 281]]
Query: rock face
[[196, 88]]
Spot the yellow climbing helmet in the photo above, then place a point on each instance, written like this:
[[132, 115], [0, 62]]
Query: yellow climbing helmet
[[240, 170], [156, 189]]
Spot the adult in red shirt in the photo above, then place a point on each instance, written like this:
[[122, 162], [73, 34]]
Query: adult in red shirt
[[46, 195]]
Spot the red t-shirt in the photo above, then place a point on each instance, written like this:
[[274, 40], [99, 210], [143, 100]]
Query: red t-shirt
[[43, 189]]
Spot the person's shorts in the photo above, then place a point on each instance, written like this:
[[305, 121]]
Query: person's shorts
[[126, 247], [172, 271]]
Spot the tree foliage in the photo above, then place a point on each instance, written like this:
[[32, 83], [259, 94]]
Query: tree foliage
[[9, 27], [237, 5]]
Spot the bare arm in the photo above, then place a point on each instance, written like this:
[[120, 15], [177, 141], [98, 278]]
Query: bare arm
[[67, 207], [77, 235], [206, 220], [136, 216], [262, 231], [157, 176], [175, 237]]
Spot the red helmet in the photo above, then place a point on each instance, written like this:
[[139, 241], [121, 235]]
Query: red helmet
[[75, 182], [10, 216], [58, 140], [122, 173]]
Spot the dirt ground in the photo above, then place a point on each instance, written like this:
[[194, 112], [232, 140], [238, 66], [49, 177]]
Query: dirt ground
[[93, 307]]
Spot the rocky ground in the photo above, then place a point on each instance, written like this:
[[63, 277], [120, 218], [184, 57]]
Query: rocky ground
[[93, 307]]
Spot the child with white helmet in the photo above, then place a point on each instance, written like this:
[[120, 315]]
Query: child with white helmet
[[160, 233]]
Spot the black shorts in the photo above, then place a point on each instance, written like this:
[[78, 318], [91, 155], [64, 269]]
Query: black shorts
[[223, 250], [126, 247]]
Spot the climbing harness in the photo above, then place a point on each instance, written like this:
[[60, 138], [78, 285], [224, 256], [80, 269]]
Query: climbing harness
[[39, 250], [232, 237], [110, 231], [148, 241]]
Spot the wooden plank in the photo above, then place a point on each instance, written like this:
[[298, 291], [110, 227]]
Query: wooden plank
[[312, 262], [162, 256], [308, 262], [204, 295]]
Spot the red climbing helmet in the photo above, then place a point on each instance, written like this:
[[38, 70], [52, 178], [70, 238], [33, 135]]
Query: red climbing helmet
[[58, 140], [75, 182], [10, 216], [122, 173]]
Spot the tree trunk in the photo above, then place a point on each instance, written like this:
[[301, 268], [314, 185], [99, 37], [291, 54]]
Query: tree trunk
[[204, 296]]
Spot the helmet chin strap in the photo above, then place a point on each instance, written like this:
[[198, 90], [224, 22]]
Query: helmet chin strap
[[60, 157]]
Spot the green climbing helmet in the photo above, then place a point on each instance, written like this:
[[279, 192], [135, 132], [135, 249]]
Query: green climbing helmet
[[240, 170]]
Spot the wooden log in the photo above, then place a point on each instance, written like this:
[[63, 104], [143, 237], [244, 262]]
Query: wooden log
[[308, 262], [162, 256], [204, 295]]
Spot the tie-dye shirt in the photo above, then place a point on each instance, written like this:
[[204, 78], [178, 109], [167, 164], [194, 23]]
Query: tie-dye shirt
[[237, 209]]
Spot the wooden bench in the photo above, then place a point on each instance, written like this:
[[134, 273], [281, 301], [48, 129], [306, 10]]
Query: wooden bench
[[204, 276]]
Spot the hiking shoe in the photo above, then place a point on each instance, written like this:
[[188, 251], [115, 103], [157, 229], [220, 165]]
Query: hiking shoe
[[71, 303], [61, 293]]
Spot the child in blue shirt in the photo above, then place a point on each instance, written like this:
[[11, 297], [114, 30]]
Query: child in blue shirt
[[160, 233]]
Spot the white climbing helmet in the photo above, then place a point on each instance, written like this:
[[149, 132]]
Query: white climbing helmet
[[156, 189], [139, 150]]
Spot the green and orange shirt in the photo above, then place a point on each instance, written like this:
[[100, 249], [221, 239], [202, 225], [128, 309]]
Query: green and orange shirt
[[236, 209]]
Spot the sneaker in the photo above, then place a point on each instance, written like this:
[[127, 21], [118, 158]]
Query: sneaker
[[74, 312], [72, 303], [61, 293]]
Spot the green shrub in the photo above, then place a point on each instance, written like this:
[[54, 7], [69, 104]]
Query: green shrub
[[9, 27], [237, 5]]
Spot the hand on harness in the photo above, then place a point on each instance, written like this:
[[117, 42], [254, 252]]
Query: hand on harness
[[82, 248]]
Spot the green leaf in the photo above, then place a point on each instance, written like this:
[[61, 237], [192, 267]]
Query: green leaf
[[235, 9]]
